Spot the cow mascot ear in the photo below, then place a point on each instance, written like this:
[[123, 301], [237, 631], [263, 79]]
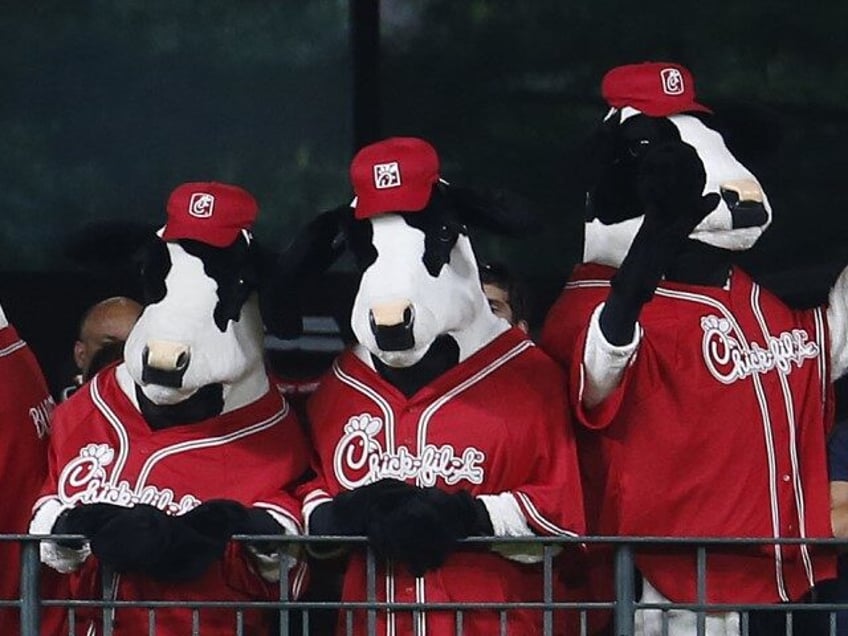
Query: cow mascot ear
[[498, 211], [315, 248]]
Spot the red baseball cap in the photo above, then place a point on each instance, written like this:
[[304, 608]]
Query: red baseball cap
[[393, 175], [209, 212], [657, 89]]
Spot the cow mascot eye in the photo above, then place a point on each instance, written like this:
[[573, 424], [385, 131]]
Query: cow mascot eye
[[447, 234], [638, 147]]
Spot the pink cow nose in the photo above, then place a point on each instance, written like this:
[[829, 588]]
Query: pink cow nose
[[745, 200], [391, 323], [164, 362]]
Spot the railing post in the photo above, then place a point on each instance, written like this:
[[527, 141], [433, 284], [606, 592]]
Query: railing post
[[30, 600], [371, 590], [109, 584], [283, 589], [548, 589], [624, 590]]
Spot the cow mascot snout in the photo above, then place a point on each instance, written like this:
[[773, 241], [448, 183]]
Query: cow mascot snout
[[706, 399], [159, 460], [440, 423]]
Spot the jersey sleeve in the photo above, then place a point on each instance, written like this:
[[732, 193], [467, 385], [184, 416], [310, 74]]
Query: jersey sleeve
[[281, 501], [548, 499], [597, 372], [48, 506], [548, 494]]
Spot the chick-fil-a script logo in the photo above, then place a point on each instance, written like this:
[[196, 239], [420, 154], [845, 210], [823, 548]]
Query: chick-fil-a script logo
[[729, 361], [84, 480], [359, 459]]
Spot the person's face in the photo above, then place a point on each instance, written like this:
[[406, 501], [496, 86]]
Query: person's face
[[499, 302], [103, 327]]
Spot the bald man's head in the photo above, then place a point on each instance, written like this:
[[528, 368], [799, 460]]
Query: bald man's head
[[104, 323]]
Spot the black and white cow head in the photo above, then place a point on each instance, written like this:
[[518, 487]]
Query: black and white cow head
[[419, 303], [653, 104], [196, 351]]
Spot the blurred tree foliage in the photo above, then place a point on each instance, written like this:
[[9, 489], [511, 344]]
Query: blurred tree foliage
[[108, 104], [507, 91]]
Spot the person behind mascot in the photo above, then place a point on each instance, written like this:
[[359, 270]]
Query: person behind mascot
[[159, 459], [444, 422], [706, 399]]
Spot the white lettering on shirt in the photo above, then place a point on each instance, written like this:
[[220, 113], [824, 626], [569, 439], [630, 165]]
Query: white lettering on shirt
[[728, 360], [359, 459]]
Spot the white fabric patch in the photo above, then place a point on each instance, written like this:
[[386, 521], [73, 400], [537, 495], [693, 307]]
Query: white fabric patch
[[60, 558], [680, 622], [837, 320], [508, 521], [604, 362]]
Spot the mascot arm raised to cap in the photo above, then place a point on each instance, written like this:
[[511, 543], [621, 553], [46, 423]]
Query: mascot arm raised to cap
[[711, 398], [442, 422], [164, 456]]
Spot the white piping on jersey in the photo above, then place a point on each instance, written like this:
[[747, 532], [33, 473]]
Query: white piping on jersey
[[793, 442], [420, 625], [116, 424], [428, 413], [767, 432], [18, 344], [423, 423], [389, 420], [391, 617], [763, 403], [207, 442], [299, 576], [384, 406], [822, 342], [541, 521], [311, 501]]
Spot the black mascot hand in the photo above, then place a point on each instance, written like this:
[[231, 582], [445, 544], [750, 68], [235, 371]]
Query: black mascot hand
[[198, 539], [85, 519], [423, 531], [258, 521], [670, 183], [349, 512], [132, 538]]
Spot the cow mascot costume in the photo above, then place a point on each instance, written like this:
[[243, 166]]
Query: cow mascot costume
[[709, 398], [442, 422], [160, 459]]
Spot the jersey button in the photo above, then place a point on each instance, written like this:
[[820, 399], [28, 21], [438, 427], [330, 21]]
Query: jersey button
[[786, 478]]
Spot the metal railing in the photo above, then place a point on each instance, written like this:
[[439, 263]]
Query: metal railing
[[293, 617]]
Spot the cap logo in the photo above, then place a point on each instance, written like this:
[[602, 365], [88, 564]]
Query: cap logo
[[387, 175], [201, 205], [672, 81]]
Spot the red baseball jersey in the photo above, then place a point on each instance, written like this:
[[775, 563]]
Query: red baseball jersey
[[496, 424], [103, 451], [717, 429], [25, 412]]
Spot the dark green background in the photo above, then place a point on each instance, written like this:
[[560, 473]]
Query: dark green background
[[107, 105]]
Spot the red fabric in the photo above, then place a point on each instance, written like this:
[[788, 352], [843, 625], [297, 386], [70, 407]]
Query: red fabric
[[657, 89], [495, 423], [25, 411], [252, 455], [683, 453], [393, 175], [209, 212]]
